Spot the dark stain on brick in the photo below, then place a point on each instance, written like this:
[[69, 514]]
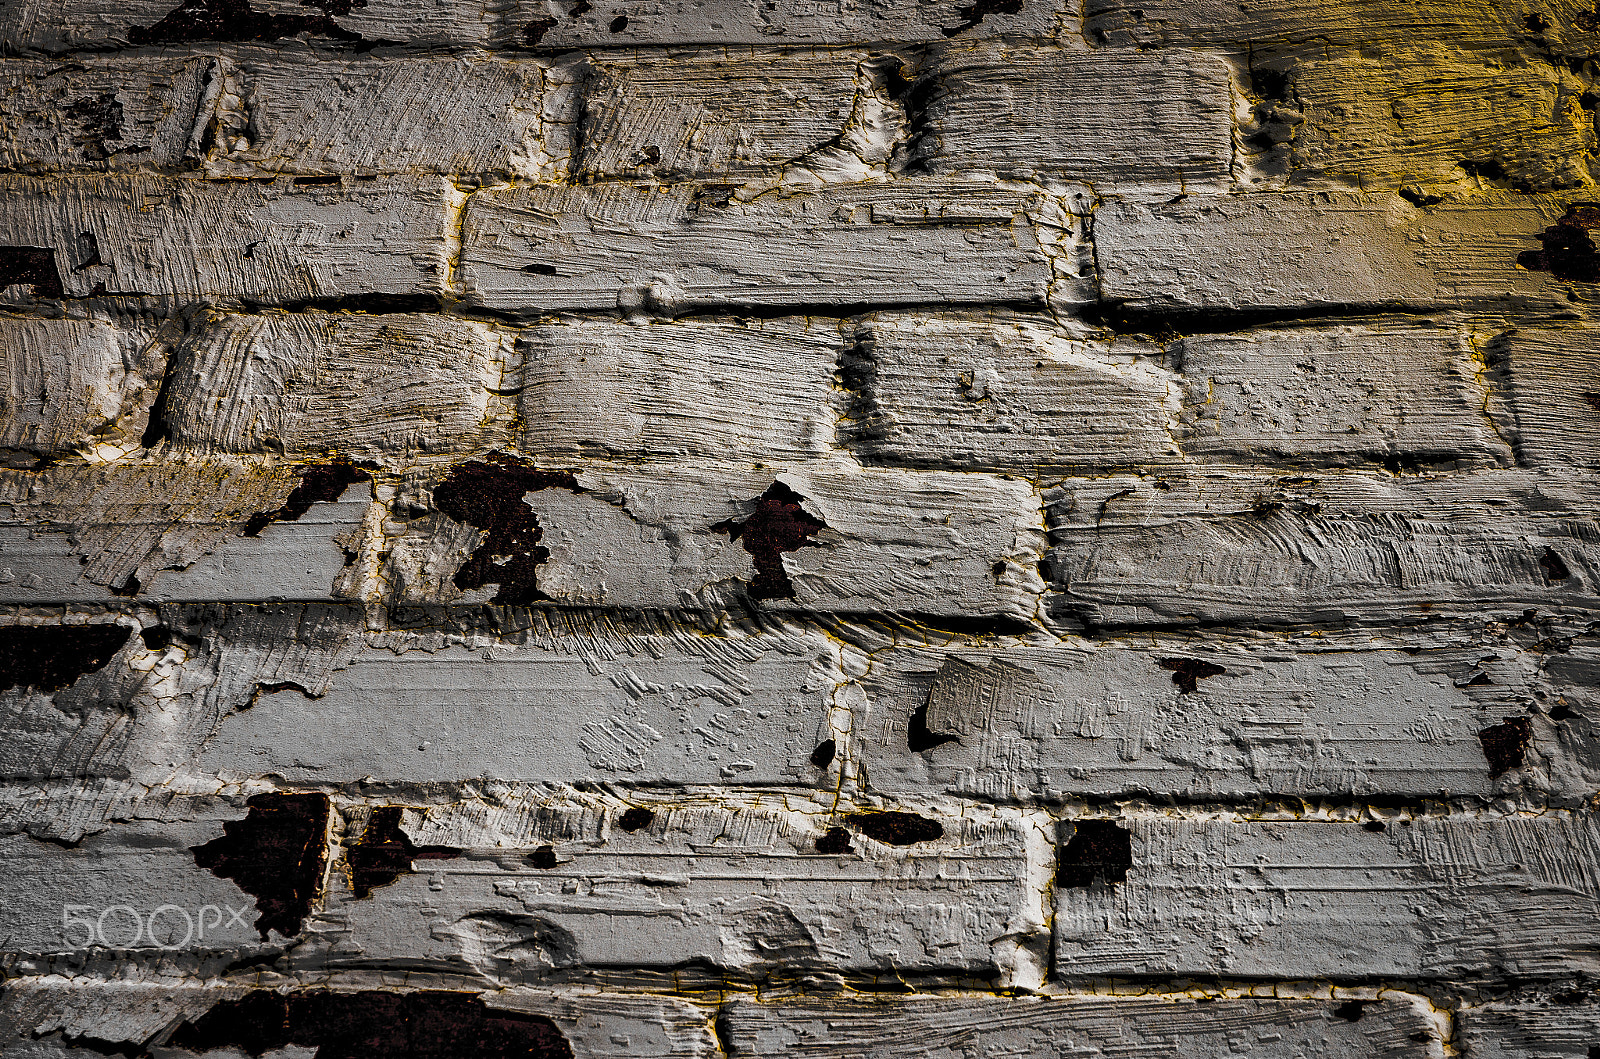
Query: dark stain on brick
[[1568, 248], [1555, 569], [779, 524], [1188, 672], [534, 31], [1098, 849], [1350, 1010], [823, 755], [636, 819], [319, 483], [50, 657], [835, 840], [383, 853], [896, 829], [276, 854], [100, 118], [373, 1025], [919, 737], [488, 494], [975, 12], [33, 265], [619, 23], [1506, 744], [543, 858], [233, 20], [88, 252]]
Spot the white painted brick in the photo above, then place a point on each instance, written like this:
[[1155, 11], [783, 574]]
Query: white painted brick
[[1276, 549], [703, 116], [74, 385], [59, 1011], [1341, 394], [742, 390], [555, 24], [579, 702], [132, 870], [1549, 399], [1433, 115], [79, 533], [1303, 717], [737, 887], [1039, 1027], [103, 114], [1569, 1026], [465, 116], [1313, 25], [306, 383], [260, 242], [1108, 118], [923, 542], [1464, 896], [684, 248], [64, 25], [1301, 251], [1007, 393]]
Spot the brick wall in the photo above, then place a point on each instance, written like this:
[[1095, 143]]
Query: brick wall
[[799, 528]]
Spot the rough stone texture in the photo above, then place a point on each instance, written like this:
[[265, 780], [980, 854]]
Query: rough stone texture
[[736, 528]]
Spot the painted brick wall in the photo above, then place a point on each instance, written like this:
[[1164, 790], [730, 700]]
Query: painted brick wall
[[745, 528]]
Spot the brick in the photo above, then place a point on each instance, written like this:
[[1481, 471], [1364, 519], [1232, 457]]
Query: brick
[[1433, 115], [1308, 250], [742, 889], [1338, 394], [307, 383], [750, 389], [685, 248], [77, 1017], [1270, 550], [123, 874], [1548, 404], [702, 116], [1218, 718], [65, 25], [269, 243], [555, 25], [103, 115], [1006, 393], [74, 385], [570, 700], [170, 530], [1313, 25], [465, 116], [1165, 1026], [1529, 1028], [844, 540], [1108, 118], [1466, 896]]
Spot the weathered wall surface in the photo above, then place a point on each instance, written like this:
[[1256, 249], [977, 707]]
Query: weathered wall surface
[[744, 528]]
